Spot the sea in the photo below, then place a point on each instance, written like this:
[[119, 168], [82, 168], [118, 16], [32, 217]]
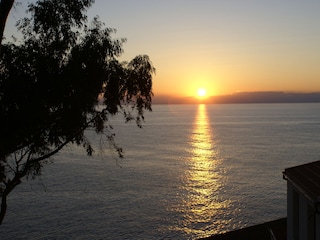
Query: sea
[[190, 172]]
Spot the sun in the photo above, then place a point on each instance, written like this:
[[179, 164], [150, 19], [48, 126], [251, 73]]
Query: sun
[[202, 92]]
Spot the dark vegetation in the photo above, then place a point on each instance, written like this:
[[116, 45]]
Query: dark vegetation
[[52, 82]]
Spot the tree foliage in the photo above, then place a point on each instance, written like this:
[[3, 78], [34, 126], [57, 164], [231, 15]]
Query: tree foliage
[[63, 77], [5, 7]]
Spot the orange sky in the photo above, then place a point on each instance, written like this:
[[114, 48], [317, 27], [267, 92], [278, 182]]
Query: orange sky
[[222, 46]]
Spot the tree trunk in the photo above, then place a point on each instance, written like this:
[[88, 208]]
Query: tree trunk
[[9, 187], [3, 207], [5, 7]]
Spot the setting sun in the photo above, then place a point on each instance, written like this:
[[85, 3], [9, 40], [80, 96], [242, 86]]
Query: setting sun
[[202, 92]]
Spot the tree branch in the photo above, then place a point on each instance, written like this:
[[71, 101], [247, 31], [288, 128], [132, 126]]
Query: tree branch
[[46, 156]]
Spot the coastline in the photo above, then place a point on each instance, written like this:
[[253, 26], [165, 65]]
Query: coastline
[[243, 97]]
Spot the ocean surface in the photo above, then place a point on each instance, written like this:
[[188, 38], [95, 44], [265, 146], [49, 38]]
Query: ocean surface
[[192, 171]]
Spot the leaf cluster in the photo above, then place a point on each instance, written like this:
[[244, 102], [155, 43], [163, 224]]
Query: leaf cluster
[[64, 77]]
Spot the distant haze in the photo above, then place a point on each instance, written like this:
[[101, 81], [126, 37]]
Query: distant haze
[[244, 97]]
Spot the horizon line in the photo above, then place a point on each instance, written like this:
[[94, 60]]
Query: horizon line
[[243, 97]]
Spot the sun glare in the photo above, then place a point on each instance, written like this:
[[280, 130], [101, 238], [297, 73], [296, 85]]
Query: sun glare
[[202, 92]]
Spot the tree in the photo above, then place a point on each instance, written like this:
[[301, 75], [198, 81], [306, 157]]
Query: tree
[[5, 7], [63, 77]]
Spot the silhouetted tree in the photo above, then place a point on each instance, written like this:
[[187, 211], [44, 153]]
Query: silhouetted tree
[[62, 77]]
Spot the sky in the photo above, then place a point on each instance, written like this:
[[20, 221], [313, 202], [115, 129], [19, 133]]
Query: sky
[[222, 47]]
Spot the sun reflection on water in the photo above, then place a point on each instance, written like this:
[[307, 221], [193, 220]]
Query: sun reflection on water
[[202, 206]]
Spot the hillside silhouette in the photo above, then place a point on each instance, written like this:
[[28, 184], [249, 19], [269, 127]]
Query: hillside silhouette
[[245, 97]]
